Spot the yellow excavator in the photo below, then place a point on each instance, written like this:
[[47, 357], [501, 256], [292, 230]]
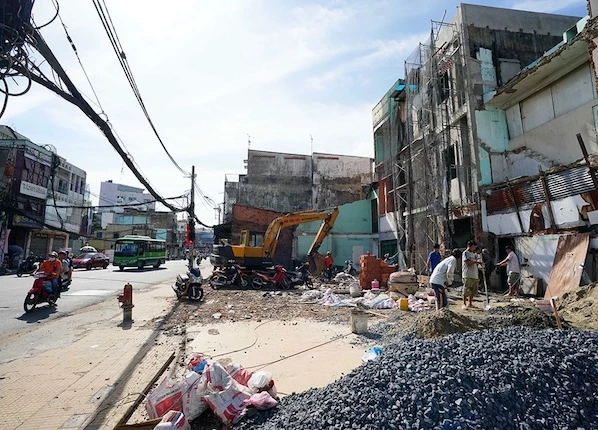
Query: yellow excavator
[[251, 253]]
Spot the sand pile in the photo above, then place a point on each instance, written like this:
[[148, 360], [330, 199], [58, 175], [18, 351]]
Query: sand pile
[[579, 307], [441, 323]]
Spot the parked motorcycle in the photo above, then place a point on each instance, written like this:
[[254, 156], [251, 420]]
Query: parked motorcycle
[[277, 279], [301, 275], [29, 265], [40, 292], [349, 268], [234, 275], [189, 285]]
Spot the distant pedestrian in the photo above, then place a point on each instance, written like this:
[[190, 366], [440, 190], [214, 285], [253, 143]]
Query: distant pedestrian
[[511, 261], [328, 261], [469, 273], [434, 257], [442, 278]]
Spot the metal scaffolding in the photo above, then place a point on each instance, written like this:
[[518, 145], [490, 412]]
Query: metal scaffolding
[[436, 149]]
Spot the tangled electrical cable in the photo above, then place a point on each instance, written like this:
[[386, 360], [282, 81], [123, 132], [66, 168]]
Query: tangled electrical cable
[[15, 32]]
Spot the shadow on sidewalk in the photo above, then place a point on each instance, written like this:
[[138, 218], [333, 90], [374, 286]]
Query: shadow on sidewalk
[[38, 314], [110, 401]]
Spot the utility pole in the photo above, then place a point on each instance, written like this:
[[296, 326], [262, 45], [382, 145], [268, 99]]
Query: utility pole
[[192, 220]]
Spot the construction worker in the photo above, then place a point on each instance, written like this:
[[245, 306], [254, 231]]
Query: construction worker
[[328, 261], [442, 278], [511, 261], [469, 273]]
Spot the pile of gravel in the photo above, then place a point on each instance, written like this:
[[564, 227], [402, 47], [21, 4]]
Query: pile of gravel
[[514, 378]]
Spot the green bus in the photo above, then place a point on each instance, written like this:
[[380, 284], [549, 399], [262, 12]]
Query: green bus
[[139, 251]]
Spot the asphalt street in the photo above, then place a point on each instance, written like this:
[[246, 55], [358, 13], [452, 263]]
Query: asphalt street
[[88, 288]]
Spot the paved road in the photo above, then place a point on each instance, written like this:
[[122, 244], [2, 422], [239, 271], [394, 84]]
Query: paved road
[[88, 287]]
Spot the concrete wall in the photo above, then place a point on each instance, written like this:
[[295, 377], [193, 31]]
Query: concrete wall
[[339, 179], [567, 213], [292, 182], [257, 220], [511, 20], [556, 140], [350, 237]]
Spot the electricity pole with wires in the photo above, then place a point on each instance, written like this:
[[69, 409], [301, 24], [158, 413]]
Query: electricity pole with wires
[[191, 222]]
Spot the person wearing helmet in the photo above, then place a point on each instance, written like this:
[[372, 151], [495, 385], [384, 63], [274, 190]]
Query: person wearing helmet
[[66, 271], [52, 267]]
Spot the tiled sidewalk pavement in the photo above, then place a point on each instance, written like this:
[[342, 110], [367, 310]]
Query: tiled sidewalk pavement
[[90, 383]]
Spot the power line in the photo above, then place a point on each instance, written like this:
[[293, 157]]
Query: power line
[[108, 25], [118, 205]]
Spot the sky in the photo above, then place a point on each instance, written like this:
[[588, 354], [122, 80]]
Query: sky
[[214, 72]]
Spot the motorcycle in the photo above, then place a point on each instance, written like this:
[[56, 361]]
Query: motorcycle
[[275, 279], [189, 285], [349, 269], [28, 266], [234, 275], [40, 292], [301, 275]]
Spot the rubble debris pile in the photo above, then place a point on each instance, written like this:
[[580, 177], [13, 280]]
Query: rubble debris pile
[[516, 377], [518, 315], [444, 322]]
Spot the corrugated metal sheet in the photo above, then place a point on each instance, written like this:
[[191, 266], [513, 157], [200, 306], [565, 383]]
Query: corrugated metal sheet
[[568, 264], [560, 185]]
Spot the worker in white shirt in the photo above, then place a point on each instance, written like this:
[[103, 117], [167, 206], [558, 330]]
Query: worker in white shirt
[[442, 277]]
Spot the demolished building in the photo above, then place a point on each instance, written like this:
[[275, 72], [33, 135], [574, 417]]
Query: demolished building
[[441, 160]]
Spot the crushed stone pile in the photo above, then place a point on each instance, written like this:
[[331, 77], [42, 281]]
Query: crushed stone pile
[[513, 378], [580, 306]]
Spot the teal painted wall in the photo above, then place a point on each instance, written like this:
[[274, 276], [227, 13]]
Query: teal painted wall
[[351, 231], [493, 134]]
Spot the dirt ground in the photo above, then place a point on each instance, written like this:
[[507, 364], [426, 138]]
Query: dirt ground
[[578, 309]]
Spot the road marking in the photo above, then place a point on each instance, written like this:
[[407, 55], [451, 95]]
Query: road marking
[[90, 293]]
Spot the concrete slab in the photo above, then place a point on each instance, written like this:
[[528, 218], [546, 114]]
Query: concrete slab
[[300, 355]]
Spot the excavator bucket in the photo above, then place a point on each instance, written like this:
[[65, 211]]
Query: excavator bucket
[[316, 263]]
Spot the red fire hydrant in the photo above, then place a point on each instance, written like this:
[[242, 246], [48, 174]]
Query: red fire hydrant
[[126, 300]]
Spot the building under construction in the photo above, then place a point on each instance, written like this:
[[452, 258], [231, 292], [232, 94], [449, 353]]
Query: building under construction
[[430, 167]]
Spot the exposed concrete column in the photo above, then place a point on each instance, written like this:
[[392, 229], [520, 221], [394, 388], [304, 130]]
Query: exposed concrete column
[[28, 244], [50, 244]]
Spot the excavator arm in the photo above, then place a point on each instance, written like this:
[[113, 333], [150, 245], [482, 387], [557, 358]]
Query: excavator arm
[[295, 218]]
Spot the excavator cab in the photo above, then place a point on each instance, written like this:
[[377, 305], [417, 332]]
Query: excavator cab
[[255, 250]]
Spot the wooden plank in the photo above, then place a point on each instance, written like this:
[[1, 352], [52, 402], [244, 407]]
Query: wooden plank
[[567, 267]]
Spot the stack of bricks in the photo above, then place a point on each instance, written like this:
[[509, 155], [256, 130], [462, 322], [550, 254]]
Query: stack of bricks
[[385, 271], [369, 269]]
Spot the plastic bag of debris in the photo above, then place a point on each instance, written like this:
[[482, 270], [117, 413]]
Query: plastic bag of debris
[[239, 373], [262, 401], [196, 362], [224, 394], [194, 388], [228, 405], [165, 397], [262, 381]]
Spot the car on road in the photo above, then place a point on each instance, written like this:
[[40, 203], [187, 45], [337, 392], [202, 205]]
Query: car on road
[[89, 260]]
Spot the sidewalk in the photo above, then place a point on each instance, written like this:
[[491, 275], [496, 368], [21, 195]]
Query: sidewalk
[[92, 380]]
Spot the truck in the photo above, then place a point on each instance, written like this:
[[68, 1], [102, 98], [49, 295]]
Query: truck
[[253, 253]]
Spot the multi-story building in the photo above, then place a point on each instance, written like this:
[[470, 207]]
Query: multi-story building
[[539, 181], [42, 196], [119, 194], [291, 182], [443, 161]]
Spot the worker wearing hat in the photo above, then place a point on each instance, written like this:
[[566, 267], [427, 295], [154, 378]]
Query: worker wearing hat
[[328, 261], [51, 267]]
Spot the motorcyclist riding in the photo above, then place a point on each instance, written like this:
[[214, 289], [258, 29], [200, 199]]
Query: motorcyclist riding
[[65, 270], [51, 268]]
